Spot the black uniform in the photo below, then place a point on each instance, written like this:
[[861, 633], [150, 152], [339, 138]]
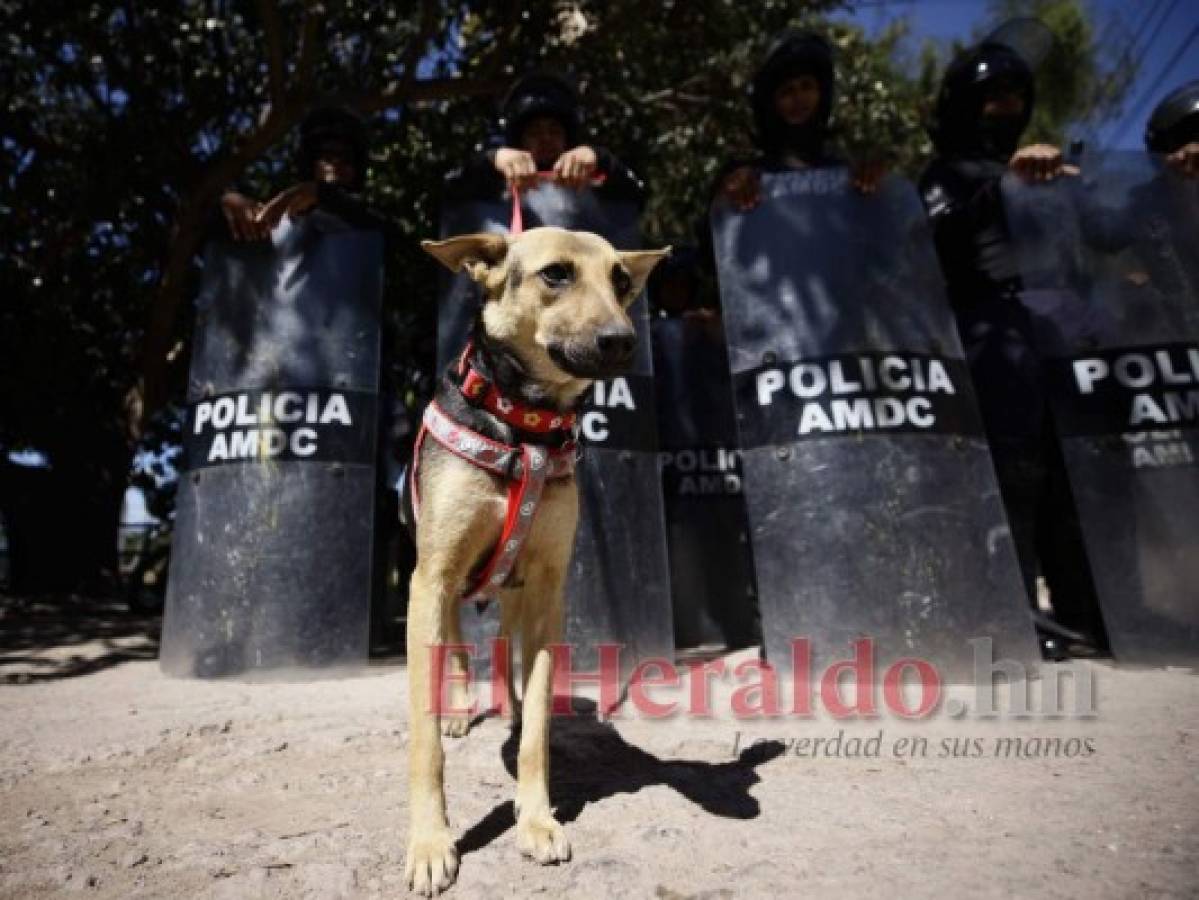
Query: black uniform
[[347, 204], [961, 191], [782, 147], [533, 96]]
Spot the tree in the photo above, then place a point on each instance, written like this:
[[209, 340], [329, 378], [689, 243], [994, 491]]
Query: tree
[[123, 122], [121, 125]]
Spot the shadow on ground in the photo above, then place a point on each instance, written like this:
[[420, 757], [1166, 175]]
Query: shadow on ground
[[50, 638], [591, 762]]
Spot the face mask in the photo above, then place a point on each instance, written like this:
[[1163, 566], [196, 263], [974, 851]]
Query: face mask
[[999, 136]]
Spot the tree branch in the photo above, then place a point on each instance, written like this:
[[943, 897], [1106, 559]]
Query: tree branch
[[429, 20], [505, 33], [310, 34], [192, 216], [21, 128], [272, 28], [397, 93], [187, 237]]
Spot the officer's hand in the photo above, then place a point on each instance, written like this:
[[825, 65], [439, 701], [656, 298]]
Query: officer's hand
[[742, 188], [242, 215], [294, 201], [867, 175], [575, 167], [303, 198], [1040, 162], [517, 166], [1185, 160]]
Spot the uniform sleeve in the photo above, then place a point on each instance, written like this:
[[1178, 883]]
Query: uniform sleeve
[[355, 212], [476, 181], [953, 230], [620, 182], [937, 196], [216, 226], [703, 226]]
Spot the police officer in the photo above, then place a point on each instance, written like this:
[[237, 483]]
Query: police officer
[[1173, 134], [331, 168], [1173, 129], [984, 105], [543, 132], [792, 100]]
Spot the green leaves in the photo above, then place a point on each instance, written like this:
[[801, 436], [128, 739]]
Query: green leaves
[[118, 112], [879, 109]]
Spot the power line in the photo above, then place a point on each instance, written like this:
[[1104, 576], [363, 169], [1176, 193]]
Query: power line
[[1090, 124], [1156, 32], [1145, 21], [1152, 90], [1136, 62]]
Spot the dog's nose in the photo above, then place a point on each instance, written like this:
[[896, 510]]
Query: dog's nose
[[616, 344]]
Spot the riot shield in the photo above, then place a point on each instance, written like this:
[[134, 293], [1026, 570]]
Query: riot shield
[[711, 572], [618, 590], [872, 499], [1108, 264], [271, 558]]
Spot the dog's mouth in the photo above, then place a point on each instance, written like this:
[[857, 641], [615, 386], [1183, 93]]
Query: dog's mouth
[[599, 359]]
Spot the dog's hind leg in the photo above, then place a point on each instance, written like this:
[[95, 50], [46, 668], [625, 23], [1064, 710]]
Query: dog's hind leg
[[538, 834], [455, 720], [431, 863]]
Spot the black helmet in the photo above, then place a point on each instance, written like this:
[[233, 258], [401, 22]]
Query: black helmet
[[1175, 121], [333, 123], [793, 54], [541, 94], [681, 266], [958, 124]]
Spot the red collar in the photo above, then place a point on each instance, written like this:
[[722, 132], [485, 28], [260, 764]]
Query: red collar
[[479, 390]]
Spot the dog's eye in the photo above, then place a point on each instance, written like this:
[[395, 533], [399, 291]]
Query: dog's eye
[[557, 275], [622, 282]]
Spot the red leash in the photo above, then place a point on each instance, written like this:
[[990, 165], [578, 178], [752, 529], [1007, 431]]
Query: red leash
[[517, 224]]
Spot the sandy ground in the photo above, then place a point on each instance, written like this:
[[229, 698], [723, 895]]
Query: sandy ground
[[119, 782]]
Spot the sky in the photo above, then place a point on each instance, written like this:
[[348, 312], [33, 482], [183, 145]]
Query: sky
[[1164, 35]]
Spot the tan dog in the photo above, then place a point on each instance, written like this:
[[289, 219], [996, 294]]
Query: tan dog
[[553, 320]]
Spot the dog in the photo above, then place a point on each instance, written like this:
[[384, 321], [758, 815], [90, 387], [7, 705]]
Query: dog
[[497, 504]]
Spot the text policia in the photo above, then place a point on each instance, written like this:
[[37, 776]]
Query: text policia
[[868, 392], [316, 424], [1136, 375]]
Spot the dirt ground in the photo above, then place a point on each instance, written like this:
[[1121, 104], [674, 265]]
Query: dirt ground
[[119, 782]]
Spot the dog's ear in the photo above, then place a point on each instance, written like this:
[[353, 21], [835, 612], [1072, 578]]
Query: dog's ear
[[480, 255], [640, 263]]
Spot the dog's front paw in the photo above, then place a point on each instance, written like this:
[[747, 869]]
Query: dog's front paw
[[541, 838], [431, 864], [455, 726]]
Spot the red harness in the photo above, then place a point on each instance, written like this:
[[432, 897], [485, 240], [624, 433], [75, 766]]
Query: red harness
[[524, 466]]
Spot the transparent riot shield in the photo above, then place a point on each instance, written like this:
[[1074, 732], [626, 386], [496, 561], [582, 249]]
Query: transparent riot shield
[[1110, 273], [271, 556], [872, 498], [711, 572], [618, 591]]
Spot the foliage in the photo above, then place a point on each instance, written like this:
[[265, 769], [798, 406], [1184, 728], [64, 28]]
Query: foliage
[[122, 123], [880, 108]]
